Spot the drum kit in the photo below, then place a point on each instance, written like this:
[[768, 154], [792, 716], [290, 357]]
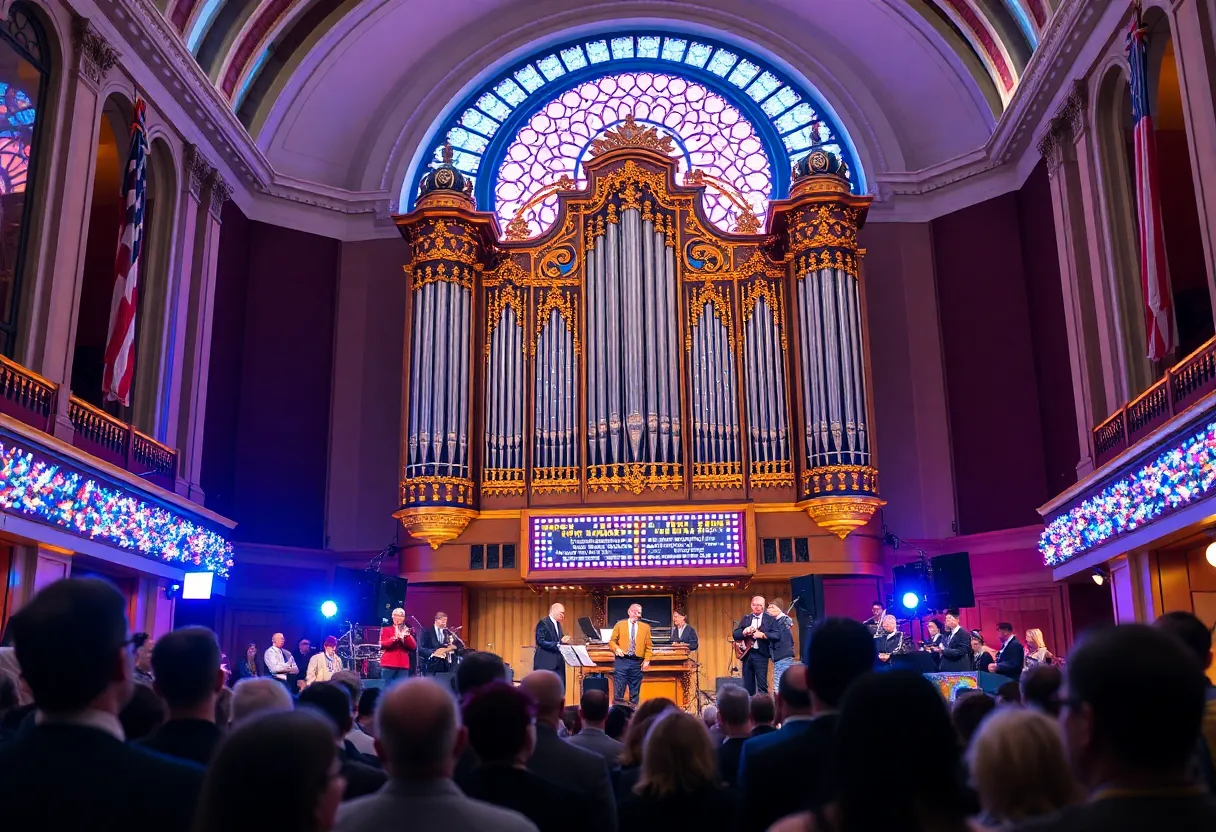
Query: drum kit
[[361, 657]]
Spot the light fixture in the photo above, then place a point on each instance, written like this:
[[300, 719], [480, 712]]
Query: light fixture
[[329, 609], [1098, 575], [1211, 553], [910, 600]]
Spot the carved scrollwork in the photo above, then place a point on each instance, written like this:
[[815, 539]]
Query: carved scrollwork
[[95, 56]]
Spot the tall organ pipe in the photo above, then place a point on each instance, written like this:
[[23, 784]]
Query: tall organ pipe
[[613, 326], [635, 422], [592, 306], [648, 309], [426, 390], [462, 354], [601, 379], [751, 368], [415, 385], [673, 371]]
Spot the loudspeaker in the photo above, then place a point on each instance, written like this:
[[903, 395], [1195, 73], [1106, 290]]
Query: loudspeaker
[[807, 590], [952, 587], [390, 596], [723, 681], [597, 682], [355, 591]]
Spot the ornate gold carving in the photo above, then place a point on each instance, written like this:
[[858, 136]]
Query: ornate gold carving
[[713, 259], [502, 298], [436, 524], [824, 226], [833, 478], [758, 264], [757, 289], [771, 474], [555, 480], [826, 259], [437, 242], [619, 180], [552, 263], [717, 475], [507, 271], [709, 293], [746, 221], [632, 134], [567, 307], [502, 482], [519, 228], [443, 273], [635, 477], [841, 515], [434, 489]]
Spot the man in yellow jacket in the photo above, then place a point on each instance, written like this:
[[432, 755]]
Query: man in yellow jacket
[[632, 645]]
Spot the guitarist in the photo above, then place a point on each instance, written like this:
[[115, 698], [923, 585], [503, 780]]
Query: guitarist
[[754, 636]]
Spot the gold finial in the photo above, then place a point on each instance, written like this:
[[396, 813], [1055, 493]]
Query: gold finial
[[447, 152], [632, 134]]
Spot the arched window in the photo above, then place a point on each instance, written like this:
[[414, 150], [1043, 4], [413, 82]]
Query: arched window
[[731, 113], [24, 71]]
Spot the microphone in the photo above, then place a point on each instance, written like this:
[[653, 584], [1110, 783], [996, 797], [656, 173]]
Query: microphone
[[650, 621]]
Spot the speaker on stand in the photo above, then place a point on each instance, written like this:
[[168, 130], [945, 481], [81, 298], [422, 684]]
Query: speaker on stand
[[807, 592]]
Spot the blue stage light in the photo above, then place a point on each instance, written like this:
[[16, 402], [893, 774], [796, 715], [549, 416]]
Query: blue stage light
[[910, 600], [329, 609]]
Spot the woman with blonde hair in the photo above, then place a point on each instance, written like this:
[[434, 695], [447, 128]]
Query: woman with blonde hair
[[630, 760], [1036, 651], [1019, 768], [679, 784]]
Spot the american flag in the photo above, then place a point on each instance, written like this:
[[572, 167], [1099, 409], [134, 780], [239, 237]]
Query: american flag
[[120, 342], [1154, 273]]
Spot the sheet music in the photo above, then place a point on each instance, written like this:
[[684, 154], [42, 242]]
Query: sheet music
[[576, 655]]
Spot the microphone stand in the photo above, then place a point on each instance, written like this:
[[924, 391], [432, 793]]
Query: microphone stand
[[418, 638]]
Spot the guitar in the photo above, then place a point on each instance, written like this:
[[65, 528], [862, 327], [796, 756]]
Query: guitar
[[743, 646]]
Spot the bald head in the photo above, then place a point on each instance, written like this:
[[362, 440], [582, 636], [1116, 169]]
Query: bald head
[[545, 687], [557, 612], [794, 697], [419, 734]]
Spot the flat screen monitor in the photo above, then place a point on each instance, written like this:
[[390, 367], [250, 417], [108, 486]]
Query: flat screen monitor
[[196, 586]]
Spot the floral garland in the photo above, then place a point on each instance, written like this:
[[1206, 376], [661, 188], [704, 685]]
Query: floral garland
[[68, 499], [1173, 480]]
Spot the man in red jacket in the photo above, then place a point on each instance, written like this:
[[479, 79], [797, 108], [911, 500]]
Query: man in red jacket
[[396, 641]]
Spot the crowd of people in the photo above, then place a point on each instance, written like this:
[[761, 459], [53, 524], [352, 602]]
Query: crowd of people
[[147, 736]]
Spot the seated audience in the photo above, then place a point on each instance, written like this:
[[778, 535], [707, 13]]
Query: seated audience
[[261, 695], [881, 717], [618, 721], [559, 762], [572, 720], [223, 708], [1134, 701], [630, 761], [363, 743], [594, 710], [275, 771], [709, 715], [1198, 639], [735, 722], [1018, 768], [23, 702], [142, 645], [332, 701], [1036, 650], [72, 770], [764, 714], [365, 716], [679, 785], [501, 725], [1041, 688], [419, 737], [782, 773], [247, 668], [970, 709], [186, 664], [1009, 693], [478, 668], [143, 714]]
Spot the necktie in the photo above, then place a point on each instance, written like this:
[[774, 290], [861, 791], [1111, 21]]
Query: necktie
[[633, 637]]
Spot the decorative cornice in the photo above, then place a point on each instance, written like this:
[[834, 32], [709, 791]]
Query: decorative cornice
[[94, 55]]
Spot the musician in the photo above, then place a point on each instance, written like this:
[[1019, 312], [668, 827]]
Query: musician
[[933, 642], [549, 635], [981, 653], [436, 645], [890, 640], [1009, 659], [396, 642], [757, 630], [956, 647], [782, 647], [682, 632], [633, 647], [874, 622]]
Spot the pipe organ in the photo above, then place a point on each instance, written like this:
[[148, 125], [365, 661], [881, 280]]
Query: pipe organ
[[632, 353]]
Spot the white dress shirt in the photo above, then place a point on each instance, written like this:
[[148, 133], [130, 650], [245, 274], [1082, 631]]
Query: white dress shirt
[[279, 663]]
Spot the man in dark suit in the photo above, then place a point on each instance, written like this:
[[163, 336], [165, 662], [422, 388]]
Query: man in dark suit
[[764, 714], [559, 762], [785, 772], [762, 628], [433, 645], [735, 719], [331, 700], [956, 646], [72, 768], [186, 666], [1011, 656], [682, 632], [594, 707], [498, 719], [549, 635]]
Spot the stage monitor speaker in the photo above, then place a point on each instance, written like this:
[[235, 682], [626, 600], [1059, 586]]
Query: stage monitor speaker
[[723, 681], [355, 592], [952, 587], [597, 682]]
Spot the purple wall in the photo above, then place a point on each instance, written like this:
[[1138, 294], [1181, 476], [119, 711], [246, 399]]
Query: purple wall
[[267, 431]]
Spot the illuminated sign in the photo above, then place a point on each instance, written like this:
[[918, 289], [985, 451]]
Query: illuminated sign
[[638, 541]]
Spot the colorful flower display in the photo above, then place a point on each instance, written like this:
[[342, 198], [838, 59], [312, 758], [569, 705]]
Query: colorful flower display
[[1174, 480], [44, 490]]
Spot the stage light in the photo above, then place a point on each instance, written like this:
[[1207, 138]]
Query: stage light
[[1098, 577], [910, 600], [197, 585], [1211, 553], [329, 609]]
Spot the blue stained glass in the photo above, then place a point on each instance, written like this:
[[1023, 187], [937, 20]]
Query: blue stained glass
[[510, 92], [722, 62], [479, 122], [780, 102], [673, 49], [648, 46], [494, 107], [800, 139], [764, 86], [796, 117], [466, 162], [530, 78], [573, 58], [464, 140], [24, 117], [698, 54], [743, 74], [551, 67], [598, 52], [622, 48]]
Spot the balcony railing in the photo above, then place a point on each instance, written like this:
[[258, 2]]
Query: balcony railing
[[27, 396], [1183, 384]]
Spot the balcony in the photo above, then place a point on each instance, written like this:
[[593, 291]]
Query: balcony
[[32, 400]]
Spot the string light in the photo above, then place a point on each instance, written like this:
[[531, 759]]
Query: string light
[[1175, 479], [45, 491]]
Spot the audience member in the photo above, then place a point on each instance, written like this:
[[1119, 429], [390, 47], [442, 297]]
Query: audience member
[[709, 715], [572, 720], [223, 707], [365, 716], [362, 742], [275, 771], [559, 762], [142, 645], [72, 769], [970, 709], [1198, 639], [594, 708], [678, 788], [186, 665], [764, 714], [1134, 701], [143, 714], [419, 737], [1019, 769], [1041, 688], [298, 680], [882, 716], [501, 725], [332, 700], [618, 721], [23, 705], [735, 722], [255, 696], [781, 773], [8, 698], [1009, 693], [247, 668], [626, 777], [476, 669]]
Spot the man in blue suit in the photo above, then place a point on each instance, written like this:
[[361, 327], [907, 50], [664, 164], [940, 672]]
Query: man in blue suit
[[549, 636]]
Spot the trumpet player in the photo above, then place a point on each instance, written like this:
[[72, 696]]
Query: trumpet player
[[396, 642]]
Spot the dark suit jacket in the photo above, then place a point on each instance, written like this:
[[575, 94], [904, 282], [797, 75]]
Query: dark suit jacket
[[65, 777], [761, 730], [428, 643], [689, 638], [956, 652], [785, 772], [582, 771], [1010, 659], [728, 759], [361, 779], [707, 810], [187, 739], [553, 808], [548, 657], [768, 626]]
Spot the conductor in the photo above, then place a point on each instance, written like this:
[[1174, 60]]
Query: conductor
[[549, 635]]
